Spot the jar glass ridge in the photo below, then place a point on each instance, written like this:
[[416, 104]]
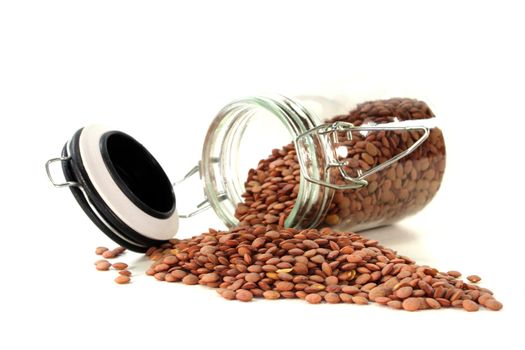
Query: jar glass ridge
[[223, 184]]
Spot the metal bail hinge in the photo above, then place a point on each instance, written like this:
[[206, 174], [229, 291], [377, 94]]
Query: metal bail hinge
[[203, 205], [322, 139]]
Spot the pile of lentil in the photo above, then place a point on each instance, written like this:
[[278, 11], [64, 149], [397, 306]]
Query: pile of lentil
[[397, 191], [314, 265]]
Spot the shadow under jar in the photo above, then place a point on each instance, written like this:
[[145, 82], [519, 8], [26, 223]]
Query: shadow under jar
[[338, 166]]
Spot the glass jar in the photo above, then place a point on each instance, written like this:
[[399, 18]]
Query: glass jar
[[299, 163], [352, 168]]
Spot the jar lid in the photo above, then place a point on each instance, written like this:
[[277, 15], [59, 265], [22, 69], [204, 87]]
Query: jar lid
[[120, 186]]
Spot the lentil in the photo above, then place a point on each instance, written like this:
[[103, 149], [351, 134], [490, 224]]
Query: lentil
[[493, 304], [313, 298], [119, 266], [102, 265], [122, 279], [100, 250], [474, 278], [470, 305], [243, 295]]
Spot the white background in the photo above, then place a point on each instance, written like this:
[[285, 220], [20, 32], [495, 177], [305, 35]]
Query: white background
[[161, 70]]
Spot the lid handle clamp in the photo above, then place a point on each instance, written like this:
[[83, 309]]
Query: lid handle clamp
[[50, 177], [329, 131]]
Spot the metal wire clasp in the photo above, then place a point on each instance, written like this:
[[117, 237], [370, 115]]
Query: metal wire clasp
[[50, 177], [326, 137]]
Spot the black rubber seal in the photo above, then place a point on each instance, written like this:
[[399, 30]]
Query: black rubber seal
[[74, 171], [82, 202], [138, 174]]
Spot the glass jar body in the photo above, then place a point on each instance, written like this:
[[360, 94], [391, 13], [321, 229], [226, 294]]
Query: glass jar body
[[353, 169]]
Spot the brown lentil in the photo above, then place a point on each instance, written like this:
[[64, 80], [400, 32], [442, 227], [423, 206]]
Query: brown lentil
[[395, 304], [331, 280], [209, 277], [411, 304], [122, 279], [119, 266], [345, 298], [102, 265], [360, 300], [382, 300], [332, 298], [100, 250], [484, 298], [109, 254], [190, 279], [228, 294], [271, 294], [493, 304], [433, 303], [469, 305], [403, 292], [454, 274], [313, 298], [474, 278], [377, 292], [119, 250], [243, 295]]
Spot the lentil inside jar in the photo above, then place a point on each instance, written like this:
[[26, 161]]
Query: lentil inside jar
[[399, 190]]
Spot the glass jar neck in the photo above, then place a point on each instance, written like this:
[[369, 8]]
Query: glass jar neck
[[224, 184]]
